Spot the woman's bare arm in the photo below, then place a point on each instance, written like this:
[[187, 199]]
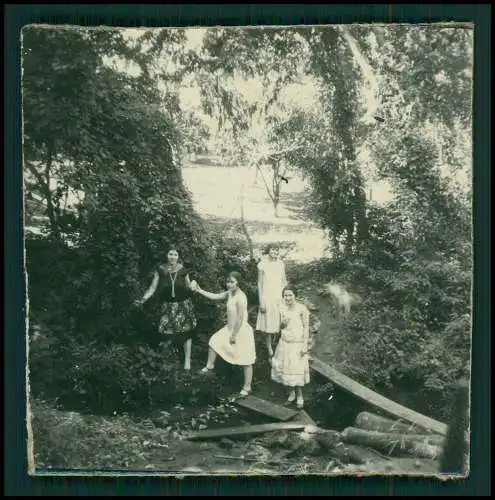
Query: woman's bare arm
[[212, 296], [188, 282], [239, 318], [260, 287], [284, 276], [152, 289]]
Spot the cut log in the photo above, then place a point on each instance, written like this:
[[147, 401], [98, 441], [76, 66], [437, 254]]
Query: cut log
[[327, 439], [266, 408], [395, 444], [245, 430], [361, 455], [377, 400], [373, 422]]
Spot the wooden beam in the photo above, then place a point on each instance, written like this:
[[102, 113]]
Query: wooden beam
[[266, 408], [302, 416], [247, 429], [377, 400]]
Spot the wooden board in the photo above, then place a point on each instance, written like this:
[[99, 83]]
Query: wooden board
[[266, 408], [247, 429], [302, 416], [375, 399]]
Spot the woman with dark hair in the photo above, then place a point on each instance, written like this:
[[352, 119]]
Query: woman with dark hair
[[290, 364], [271, 281], [172, 286], [235, 341]]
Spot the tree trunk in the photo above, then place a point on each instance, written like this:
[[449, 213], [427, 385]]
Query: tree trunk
[[245, 230], [372, 422], [455, 455], [276, 188], [420, 446]]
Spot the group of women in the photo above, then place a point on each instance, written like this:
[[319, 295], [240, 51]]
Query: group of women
[[279, 313]]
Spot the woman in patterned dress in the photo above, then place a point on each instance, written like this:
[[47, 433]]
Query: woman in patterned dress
[[235, 341], [290, 363], [271, 281], [171, 285]]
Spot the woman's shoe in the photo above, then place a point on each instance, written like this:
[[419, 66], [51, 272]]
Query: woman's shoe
[[244, 393], [292, 397], [205, 370]]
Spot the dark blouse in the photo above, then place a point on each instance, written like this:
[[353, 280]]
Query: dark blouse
[[164, 290]]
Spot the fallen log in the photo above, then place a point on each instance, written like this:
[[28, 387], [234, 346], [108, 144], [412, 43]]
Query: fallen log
[[372, 422], [420, 446], [361, 455], [327, 439], [244, 430]]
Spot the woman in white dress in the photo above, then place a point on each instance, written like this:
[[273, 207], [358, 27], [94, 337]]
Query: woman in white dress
[[235, 341], [271, 281], [290, 364]]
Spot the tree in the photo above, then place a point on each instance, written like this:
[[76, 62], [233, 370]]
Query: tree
[[264, 62], [103, 133]]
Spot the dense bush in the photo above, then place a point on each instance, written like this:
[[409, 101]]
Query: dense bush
[[107, 360], [411, 334], [102, 350]]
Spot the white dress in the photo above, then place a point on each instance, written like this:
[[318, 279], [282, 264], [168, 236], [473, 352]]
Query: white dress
[[289, 367], [273, 281], [243, 352]]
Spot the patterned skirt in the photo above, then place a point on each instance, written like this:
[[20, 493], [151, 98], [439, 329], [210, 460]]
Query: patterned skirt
[[177, 318]]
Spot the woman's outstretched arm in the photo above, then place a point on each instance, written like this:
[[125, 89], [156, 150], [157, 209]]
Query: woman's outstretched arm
[[151, 290], [240, 307], [260, 289], [210, 295], [284, 275]]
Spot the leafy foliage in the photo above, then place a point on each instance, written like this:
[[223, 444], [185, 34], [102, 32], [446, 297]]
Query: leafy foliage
[[412, 332], [93, 130]]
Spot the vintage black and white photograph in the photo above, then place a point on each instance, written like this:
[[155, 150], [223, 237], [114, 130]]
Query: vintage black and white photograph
[[248, 249]]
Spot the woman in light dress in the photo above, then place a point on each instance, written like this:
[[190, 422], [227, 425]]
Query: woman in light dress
[[271, 281], [235, 341], [171, 286], [290, 363]]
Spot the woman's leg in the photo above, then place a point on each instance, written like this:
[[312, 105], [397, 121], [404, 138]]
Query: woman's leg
[[300, 399], [269, 344], [292, 395], [187, 354], [212, 356], [248, 377]]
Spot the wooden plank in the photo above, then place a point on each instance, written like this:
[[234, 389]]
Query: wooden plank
[[245, 430], [302, 416], [377, 400], [266, 408]]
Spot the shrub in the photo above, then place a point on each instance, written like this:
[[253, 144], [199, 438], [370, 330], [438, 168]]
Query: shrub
[[411, 334]]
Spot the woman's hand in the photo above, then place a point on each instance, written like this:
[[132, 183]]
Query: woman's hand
[[194, 286], [138, 302], [262, 308], [232, 339]]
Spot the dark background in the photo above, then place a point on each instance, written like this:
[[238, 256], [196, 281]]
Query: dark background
[[16, 480]]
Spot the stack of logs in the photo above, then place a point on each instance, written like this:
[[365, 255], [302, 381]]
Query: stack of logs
[[376, 438]]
